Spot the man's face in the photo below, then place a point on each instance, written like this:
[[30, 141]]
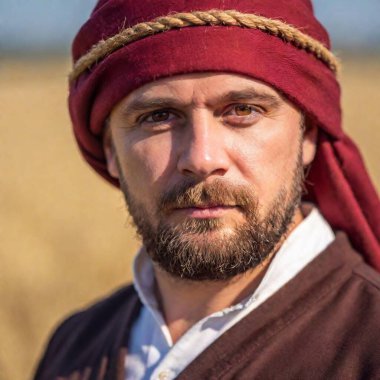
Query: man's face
[[211, 168]]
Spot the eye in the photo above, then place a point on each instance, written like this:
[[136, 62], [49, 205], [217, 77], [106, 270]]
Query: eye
[[242, 114], [243, 110], [159, 120], [158, 116]]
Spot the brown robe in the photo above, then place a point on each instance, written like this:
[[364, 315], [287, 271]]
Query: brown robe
[[323, 324]]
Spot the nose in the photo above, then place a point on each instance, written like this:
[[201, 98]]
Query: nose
[[203, 148]]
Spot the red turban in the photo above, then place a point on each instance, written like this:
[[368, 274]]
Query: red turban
[[338, 182]]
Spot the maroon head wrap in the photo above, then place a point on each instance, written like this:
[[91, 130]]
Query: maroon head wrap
[[338, 182]]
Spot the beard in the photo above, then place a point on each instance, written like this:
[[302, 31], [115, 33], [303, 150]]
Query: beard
[[207, 249]]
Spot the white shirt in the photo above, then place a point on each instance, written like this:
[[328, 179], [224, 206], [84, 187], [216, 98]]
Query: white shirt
[[151, 353]]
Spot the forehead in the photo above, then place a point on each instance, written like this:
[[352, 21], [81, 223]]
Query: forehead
[[201, 87]]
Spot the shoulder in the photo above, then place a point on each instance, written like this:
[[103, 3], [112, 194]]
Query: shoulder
[[96, 315], [360, 284], [363, 294], [352, 309], [369, 277], [363, 282], [89, 333], [353, 315]]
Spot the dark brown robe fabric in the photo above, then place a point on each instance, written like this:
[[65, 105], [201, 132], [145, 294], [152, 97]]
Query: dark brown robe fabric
[[323, 324]]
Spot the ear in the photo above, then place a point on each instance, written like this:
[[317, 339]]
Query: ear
[[309, 144], [110, 153]]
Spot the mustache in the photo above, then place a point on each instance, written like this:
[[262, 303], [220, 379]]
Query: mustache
[[197, 194]]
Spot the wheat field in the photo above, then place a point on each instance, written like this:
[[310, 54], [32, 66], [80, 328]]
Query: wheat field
[[65, 238]]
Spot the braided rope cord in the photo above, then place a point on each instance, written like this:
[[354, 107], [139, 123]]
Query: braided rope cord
[[273, 27]]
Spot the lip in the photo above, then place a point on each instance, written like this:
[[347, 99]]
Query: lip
[[205, 211]]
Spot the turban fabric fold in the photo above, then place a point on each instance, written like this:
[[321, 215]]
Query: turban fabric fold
[[338, 182]]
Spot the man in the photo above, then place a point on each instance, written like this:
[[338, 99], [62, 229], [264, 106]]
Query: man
[[209, 115]]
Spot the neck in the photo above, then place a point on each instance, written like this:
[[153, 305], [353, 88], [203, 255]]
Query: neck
[[185, 302]]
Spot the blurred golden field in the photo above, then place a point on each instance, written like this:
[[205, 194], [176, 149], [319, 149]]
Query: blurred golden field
[[65, 238]]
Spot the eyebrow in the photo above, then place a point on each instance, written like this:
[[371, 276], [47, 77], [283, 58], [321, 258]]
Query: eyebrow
[[144, 103], [251, 94]]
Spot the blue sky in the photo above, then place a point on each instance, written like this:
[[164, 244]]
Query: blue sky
[[45, 25]]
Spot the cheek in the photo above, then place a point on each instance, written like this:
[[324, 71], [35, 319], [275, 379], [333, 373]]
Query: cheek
[[145, 164], [267, 159]]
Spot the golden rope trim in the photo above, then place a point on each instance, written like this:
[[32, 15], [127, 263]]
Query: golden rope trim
[[199, 18]]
